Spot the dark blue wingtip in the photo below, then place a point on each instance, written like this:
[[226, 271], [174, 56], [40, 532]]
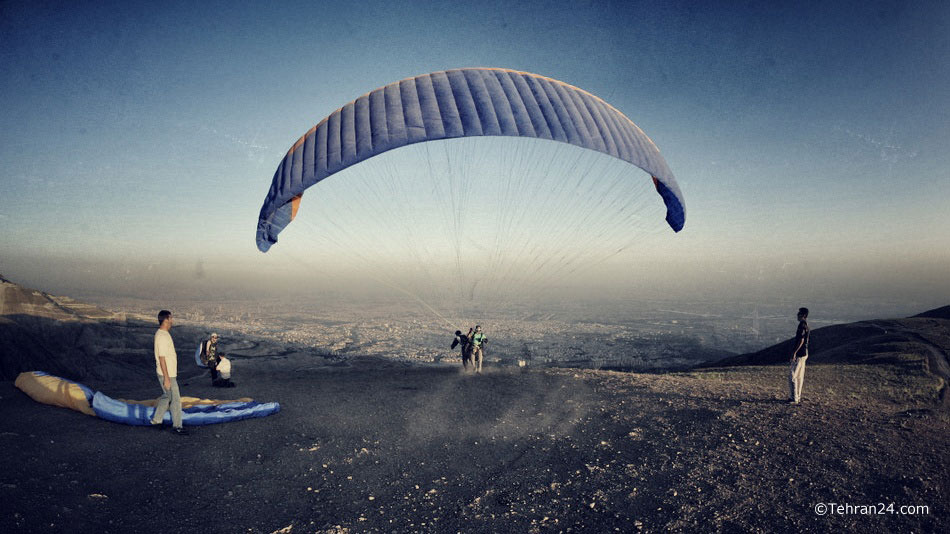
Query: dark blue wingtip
[[675, 218], [675, 212], [268, 227], [263, 239]]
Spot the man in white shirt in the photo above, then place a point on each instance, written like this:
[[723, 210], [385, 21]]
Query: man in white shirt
[[166, 366]]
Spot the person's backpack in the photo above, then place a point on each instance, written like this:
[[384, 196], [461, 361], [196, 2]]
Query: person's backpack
[[198, 356]]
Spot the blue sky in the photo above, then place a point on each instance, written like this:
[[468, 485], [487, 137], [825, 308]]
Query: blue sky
[[812, 138]]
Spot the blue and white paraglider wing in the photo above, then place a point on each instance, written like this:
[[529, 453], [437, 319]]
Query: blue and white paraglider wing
[[460, 103]]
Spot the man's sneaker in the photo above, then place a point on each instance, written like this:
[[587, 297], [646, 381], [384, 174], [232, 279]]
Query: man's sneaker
[[181, 431]]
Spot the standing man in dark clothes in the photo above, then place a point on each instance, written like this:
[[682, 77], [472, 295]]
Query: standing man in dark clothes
[[796, 377], [466, 341]]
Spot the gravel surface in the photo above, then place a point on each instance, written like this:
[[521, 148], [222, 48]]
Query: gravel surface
[[370, 446]]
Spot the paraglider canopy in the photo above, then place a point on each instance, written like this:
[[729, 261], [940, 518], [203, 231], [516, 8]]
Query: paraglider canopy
[[454, 104]]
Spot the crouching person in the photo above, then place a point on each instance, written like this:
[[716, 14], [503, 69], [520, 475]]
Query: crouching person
[[219, 365]]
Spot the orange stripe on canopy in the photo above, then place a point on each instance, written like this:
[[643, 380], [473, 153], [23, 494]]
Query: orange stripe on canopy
[[294, 206]]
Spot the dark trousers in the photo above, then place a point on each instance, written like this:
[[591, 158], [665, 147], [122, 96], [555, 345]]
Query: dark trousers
[[466, 356]]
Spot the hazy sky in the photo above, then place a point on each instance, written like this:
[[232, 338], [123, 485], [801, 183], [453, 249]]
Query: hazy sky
[[811, 142]]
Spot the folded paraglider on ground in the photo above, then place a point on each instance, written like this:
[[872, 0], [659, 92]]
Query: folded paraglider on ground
[[49, 389]]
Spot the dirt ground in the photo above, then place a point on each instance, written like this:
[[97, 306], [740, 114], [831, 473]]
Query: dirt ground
[[382, 447]]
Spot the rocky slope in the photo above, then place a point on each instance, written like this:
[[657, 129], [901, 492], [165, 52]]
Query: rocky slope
[[924, 337], [59, 335]]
